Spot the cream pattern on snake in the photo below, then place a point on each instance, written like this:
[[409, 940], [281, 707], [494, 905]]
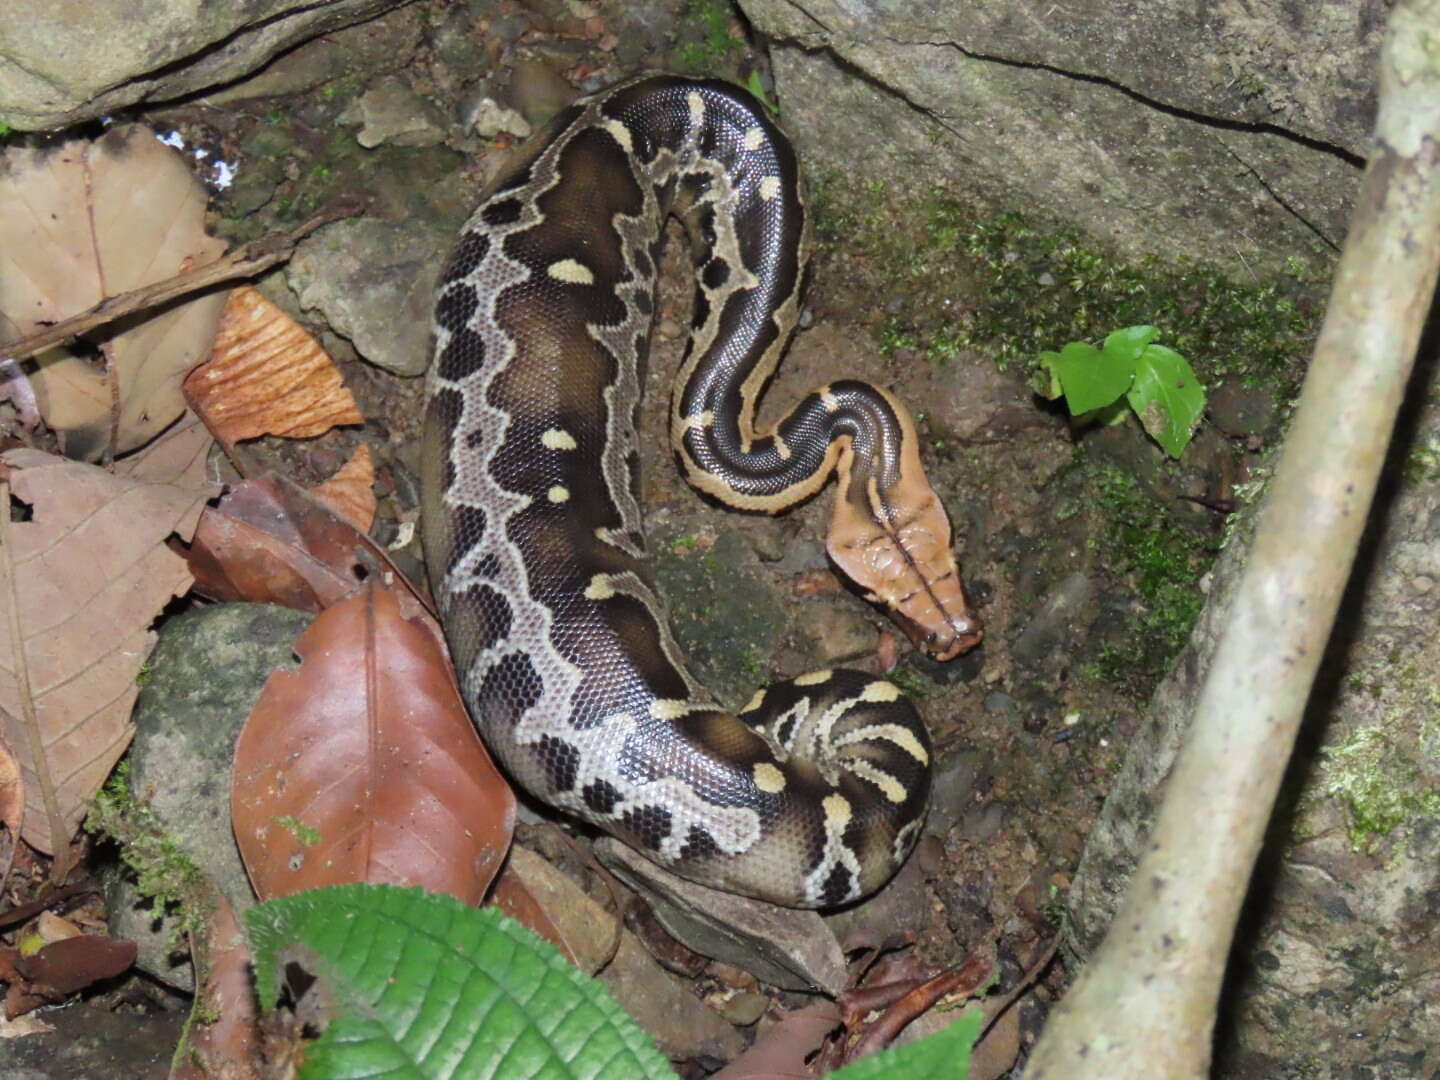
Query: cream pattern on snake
[[815, 792]]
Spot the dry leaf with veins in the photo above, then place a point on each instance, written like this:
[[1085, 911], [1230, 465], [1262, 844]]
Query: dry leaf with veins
[[362, 764], [84, 221], [267, 376], [350, 493], [80, 583]]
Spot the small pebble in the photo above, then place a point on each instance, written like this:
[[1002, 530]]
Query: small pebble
[[745, 1008]]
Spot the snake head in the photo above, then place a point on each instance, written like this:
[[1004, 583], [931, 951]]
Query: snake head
[[899, 552]]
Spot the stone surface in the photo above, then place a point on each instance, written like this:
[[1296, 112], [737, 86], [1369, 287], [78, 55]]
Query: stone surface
[[63, 61], [1233, 135], [1049, 629], [785, 947], [392, 112], [727, 617], [374, 282], [205, 674], [682, 1026]]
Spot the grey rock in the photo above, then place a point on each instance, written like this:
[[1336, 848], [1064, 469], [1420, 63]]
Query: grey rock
[[728, 618], [205, 675], [785, 947], [488, 118], [682, 1026], [1149, 126], [1050, 626], [374, 282], [952, 789], [837, 633], [899, 907], [745, 1008], [392, 112], [1237, 409], [999, 703], [800, 556], [57, 69], [537, 92], [384, 43]]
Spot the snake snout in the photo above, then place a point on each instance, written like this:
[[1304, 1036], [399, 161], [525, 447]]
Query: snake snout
[[947, 640]]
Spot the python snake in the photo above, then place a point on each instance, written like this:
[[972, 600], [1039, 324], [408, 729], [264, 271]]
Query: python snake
[[816, 791]]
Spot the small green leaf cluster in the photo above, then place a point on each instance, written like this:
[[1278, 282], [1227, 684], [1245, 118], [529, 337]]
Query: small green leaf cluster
[[423, 987], [164, 871], [1155, 381]]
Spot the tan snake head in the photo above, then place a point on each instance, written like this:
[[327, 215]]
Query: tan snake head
[[896, 545]]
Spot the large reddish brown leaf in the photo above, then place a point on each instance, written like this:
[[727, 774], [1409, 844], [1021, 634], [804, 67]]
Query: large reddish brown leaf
[[269, 541], [83, 221], [267, 376], [362, 764], [75, 962], [80, 583]]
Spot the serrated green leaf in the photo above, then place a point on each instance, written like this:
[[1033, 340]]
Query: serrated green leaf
[[1089, 377], [1167, 397], [426, 988], [1127, 345], [942, 1056]]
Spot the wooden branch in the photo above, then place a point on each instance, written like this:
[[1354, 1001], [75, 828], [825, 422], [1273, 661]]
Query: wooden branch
[[1145, 1006], [243, 262]]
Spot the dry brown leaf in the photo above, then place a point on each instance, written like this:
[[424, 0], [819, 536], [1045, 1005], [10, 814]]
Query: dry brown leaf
[[12, 811], [177, 457], [21, 1026], [351, 491], [12, 793], [514, 897], [74, 963], [270, 542], [267, 376], [84, 221], [80, 582], [223, 1040], [786, 1048], [362, 763]]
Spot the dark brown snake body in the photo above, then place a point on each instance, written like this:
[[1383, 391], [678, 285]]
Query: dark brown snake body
[[815, 793]]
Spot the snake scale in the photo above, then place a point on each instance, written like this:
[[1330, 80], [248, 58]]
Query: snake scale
[[815, 792]]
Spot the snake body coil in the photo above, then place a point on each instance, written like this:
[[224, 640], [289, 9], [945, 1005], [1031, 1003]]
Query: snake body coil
[[815, 793]]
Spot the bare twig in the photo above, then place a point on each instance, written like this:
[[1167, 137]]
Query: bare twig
[[1145, 1006], [246, 261], [965, 978]]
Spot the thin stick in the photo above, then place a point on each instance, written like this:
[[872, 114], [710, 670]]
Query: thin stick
[[243, 262]]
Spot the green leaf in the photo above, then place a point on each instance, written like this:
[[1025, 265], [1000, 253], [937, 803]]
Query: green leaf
[[943, 1056], [1127, 345], [1167, 397], [1044, 381], [1089, 377], [754, 85], [425, 988]]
